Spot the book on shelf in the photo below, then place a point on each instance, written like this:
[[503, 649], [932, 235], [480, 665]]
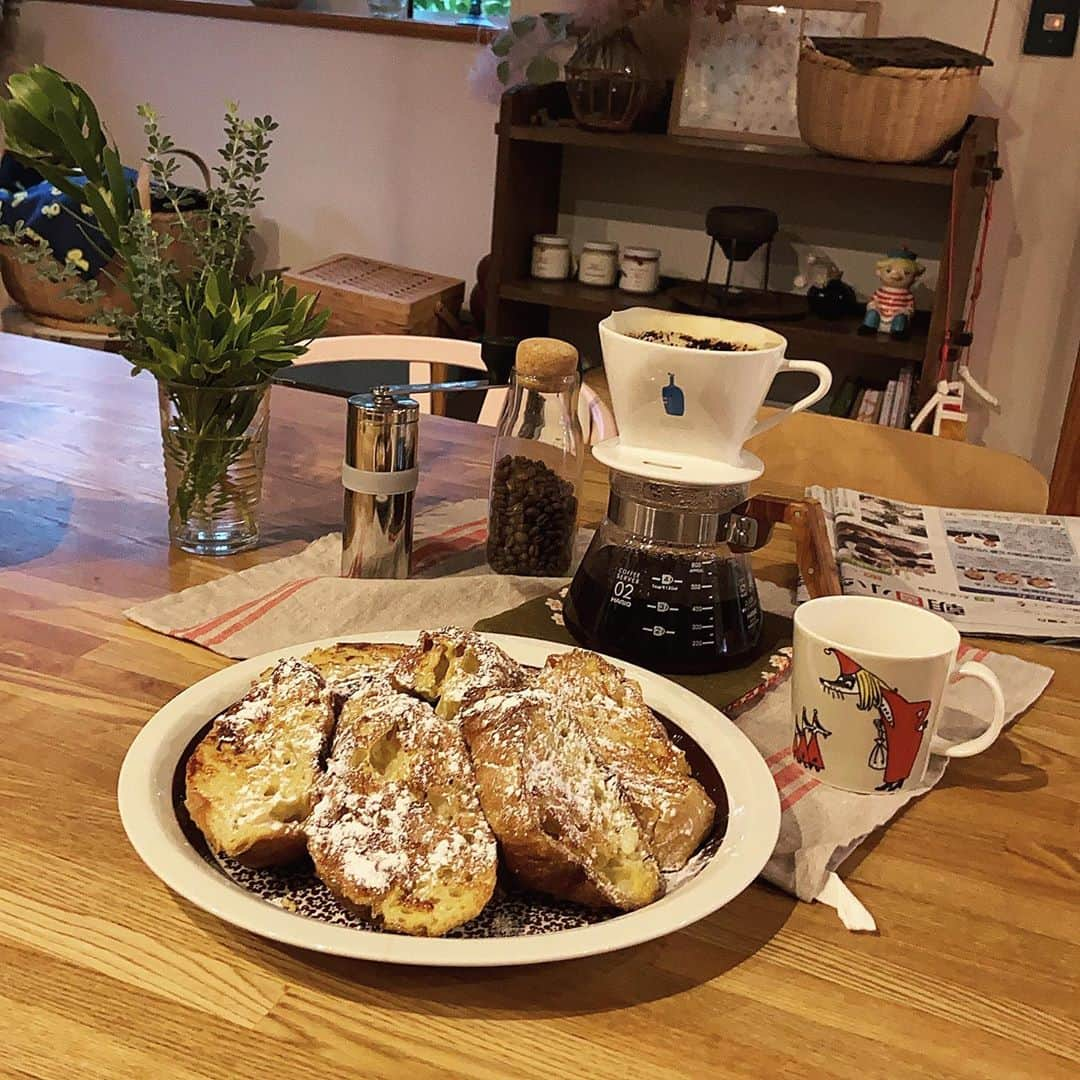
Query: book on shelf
[[888, 402], [903, 397], [844, 398], [870, 406], [856, 404]]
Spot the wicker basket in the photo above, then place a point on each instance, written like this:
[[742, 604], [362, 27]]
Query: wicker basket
[[887, 114], [44, 301]]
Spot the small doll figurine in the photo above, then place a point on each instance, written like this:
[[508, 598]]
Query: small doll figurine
[[890, 309], [826, 294]]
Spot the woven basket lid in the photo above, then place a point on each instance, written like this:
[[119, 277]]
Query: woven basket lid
[[865, 54]]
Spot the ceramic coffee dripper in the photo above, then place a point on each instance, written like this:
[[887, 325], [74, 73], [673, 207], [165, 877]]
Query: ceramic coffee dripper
[[685, 414]]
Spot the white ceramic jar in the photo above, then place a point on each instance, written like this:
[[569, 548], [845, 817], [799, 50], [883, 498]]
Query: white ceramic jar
[[550, 257], [639, 270], [599, 263]]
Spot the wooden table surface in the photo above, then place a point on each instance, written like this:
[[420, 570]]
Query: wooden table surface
[[105, 973]]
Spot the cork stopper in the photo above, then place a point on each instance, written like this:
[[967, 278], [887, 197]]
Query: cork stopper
[[543, 363]]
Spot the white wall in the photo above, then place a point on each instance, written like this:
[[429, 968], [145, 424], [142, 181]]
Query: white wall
[[383, 151]]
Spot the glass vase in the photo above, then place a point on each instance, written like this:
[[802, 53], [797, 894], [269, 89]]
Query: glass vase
[[608, 80], [214, 439]]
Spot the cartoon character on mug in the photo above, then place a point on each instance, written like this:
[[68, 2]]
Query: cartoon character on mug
[[804, 746], [899, 724]]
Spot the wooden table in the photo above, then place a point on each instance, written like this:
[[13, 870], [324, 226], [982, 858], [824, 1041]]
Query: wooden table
[[107, 974]]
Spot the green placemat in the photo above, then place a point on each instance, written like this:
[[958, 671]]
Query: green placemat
[[731, 691]]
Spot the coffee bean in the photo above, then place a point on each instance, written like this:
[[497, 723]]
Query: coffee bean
[[531, 519]]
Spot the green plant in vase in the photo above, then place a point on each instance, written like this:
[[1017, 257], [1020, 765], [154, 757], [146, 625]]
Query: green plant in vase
[[211, 334]]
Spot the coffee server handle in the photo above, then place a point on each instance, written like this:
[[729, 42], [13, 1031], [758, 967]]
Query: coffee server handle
[[806, 519], [824, 376], [813, 552]]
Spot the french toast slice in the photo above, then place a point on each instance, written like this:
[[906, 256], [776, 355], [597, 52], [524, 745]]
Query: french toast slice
[[398, 833], [251, 780], [452, 668], [623, 733], [562, 822], [348, 664]]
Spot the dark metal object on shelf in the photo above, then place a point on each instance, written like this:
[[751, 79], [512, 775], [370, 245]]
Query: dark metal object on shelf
[[739, 231], [747, 305]]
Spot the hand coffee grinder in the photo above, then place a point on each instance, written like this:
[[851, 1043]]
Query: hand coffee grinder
[[666, 582]]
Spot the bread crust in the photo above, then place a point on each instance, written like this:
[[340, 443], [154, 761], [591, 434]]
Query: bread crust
[[398, 832], [561, 821], [675, 812], [347, 664], [452, 668], [250, 783]]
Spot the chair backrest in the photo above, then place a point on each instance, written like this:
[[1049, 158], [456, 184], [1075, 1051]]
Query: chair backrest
[[597, 421], [419, 352]]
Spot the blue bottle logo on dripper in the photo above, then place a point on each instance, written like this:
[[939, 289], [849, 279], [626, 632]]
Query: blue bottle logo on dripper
[[674, 401]]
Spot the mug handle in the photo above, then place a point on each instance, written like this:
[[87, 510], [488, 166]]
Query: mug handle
[[973, 669], [824, 382]]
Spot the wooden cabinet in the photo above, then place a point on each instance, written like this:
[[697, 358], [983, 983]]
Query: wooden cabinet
[[534, 129]]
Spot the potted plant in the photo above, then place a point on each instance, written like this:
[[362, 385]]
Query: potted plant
[[211, 334]]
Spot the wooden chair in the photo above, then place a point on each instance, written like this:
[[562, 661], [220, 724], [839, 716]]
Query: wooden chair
[[1065, 481], [428, 358]]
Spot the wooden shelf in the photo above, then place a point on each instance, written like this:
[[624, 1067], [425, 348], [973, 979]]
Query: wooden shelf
[[791, 158], [537, 136], [810, 338]]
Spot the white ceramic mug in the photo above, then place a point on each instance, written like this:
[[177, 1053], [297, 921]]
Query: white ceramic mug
[[868, 678], [721, 391]]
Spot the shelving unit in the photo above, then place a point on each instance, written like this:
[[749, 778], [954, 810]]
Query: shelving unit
[[809, 336], [527, 188]]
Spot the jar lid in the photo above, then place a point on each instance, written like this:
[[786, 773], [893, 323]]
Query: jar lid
[[642, 252], [541, 361], [551, 241], [600, 245]]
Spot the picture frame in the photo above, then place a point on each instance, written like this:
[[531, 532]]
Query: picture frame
[[737, 79]]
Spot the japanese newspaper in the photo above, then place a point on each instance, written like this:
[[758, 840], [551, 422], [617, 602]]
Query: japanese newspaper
[[984, 571]]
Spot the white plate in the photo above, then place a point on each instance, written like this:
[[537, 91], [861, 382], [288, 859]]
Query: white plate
[[146, 809]]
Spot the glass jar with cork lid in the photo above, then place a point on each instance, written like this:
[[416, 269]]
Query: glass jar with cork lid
[[537, 464]]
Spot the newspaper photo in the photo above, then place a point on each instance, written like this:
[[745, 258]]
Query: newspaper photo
[[986, 572]]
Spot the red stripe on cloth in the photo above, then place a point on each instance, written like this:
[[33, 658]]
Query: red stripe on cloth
[[465, 525], [780, 754], [787, 774], [232, 613], [469, 527], [435, 551], [258, 613], [791, 799], [478, 531], [965, 653]]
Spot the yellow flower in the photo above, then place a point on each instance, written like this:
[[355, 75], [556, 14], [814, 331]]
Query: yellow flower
[[75, 258], [87, 209], [18, 197], [51, 210]]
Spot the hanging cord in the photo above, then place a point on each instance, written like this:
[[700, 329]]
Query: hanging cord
[[990, 28]]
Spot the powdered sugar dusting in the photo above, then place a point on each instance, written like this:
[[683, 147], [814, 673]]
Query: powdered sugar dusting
[[625, 734], [398, 807], [458, 667]]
